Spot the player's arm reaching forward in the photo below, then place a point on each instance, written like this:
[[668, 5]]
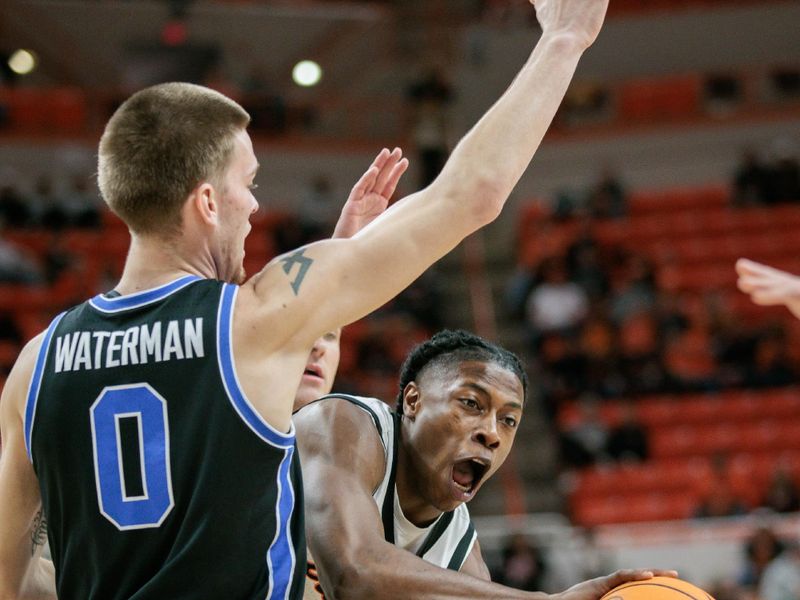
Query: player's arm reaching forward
[[331, 283], [23, 571], [345, 531], [768, 286]]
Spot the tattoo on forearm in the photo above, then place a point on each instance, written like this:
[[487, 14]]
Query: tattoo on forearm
[[305, 264], [39, 531]]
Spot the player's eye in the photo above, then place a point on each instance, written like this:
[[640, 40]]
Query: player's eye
[[470, 403], [510, 421]]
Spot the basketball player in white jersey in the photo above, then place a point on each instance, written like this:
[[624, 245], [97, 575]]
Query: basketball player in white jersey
[[386, 490]]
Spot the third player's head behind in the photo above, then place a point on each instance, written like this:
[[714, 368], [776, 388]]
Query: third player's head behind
[[178, 141], [320, 371], [461, 400]]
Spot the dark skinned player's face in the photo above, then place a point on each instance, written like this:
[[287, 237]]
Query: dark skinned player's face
[[459, 426]]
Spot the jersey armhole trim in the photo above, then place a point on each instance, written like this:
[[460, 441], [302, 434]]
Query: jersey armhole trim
[[36, 384], [463, 549], [230, 379]]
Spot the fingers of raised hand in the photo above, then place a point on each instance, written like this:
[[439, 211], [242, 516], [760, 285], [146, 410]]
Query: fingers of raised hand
[[387, 168], [365, 184], [394, 178]]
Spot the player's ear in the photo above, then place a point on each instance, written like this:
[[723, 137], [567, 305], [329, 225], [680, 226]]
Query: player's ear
[[205, 203], [411, 400]]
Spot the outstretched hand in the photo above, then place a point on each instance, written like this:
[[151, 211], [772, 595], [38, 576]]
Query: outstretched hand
[[594, 589], [371, 194], [768, 286], [581, 19]]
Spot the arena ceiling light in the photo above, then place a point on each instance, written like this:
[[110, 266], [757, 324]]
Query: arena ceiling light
[[306, 73], [22, 61]]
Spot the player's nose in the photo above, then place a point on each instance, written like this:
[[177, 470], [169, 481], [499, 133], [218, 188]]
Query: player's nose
[[486, 433]]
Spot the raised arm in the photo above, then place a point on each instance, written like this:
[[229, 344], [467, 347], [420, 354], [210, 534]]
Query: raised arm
[[23, 572], [299, 296], [356, 276]]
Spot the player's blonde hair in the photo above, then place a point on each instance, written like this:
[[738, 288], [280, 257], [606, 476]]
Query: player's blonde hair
[[158, 146]]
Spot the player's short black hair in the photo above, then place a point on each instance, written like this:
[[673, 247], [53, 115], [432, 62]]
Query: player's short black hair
[[451, 347]]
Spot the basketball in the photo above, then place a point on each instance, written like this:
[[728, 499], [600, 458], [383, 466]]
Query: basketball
[[657, 588]]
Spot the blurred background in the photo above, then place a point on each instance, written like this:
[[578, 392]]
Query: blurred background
[[663, 428]]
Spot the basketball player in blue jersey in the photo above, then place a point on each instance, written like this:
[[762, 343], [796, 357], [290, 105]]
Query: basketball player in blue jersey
[[152, 424], [386, 490]]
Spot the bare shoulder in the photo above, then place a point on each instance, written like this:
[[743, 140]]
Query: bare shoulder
[[15, 389], [336, 431]]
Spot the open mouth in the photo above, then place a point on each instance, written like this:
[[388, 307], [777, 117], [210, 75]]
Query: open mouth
[[468, 473], [314, 371]]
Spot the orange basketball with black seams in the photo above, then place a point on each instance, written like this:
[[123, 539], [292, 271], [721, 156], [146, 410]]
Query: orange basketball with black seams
[[657, 588]]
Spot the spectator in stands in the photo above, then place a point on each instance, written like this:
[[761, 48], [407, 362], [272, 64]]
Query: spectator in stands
[[47, 206], [782, 493], [318, 208], [634, 287], [671, 315], [781, 578], [15, 211], [584, 443], [585, 264], [16, 266], [607, 198], [718, 498], [560, 367], [430, 97], [641, 357], [771, 365], [750, 180], [523, 566], [373, 351], [57, 258], [80, 204], [422, 300], [264, 101], [555, 304], [784, 176], [760, 549], [600, 358], [628, 440], [9, 330]]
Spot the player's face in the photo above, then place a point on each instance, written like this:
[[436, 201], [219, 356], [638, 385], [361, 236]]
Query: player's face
[[320, 369], [237, 204], [461, 429]]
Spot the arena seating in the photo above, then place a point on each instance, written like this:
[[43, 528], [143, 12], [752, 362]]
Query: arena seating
[[756, 430]]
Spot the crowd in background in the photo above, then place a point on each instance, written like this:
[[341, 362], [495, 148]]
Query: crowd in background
[[597, 325]]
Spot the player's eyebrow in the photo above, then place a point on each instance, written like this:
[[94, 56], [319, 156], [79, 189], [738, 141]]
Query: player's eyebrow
[[485, 392]]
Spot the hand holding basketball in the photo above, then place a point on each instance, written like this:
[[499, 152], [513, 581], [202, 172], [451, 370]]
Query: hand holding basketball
[[657, 588], [594, 589]]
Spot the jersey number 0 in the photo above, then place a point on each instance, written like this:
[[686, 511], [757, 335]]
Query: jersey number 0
[[130, 428]]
